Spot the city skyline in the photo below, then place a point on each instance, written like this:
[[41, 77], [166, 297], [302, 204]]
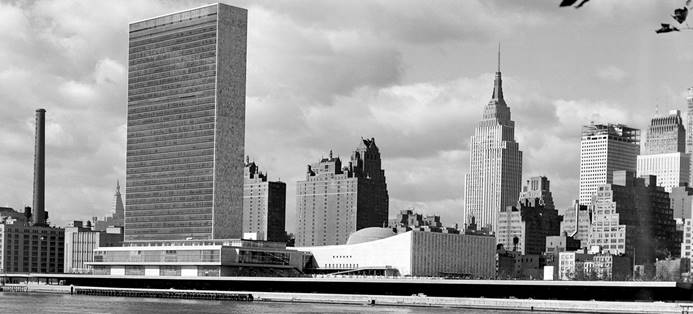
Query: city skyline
[[420, 108]]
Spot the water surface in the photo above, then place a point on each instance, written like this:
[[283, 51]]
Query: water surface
[[72, 304]]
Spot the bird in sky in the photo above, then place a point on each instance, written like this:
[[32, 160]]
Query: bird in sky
[[680, 15], [666, 28], [567, 3]]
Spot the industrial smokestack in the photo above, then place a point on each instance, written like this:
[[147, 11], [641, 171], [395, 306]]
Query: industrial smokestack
[[38, 217]]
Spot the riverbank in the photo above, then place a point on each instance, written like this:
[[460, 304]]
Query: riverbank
[[374, 300]]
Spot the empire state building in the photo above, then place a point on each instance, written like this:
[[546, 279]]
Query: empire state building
[[495, 165]]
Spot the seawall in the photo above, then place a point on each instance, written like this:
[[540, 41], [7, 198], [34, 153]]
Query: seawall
[[517, 305]]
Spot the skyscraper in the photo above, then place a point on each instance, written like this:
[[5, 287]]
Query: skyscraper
[[664, 151], [335, 201], [605, 148], [264, 205], [118, 214], [185, 129], [495, 163]]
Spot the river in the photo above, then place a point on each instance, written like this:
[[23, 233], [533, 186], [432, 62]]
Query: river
[[72, 304]]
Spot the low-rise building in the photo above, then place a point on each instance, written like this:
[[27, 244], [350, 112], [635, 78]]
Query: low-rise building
[[411, 253], [200, 258], [81, 241], [25, 248], [675, 269], [601, 266]]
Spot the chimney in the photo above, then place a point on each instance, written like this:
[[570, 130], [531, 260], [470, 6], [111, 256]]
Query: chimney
[[39, 212]]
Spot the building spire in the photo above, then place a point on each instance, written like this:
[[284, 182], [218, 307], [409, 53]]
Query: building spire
[[498, 83], [498, 71]]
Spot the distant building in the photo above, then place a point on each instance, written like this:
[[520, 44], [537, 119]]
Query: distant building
[[605, 148], [25, 248], [672, 269], [689, 128], [495, 163], [665, 134], [523, 228], [118, 215], [186, 125], [335, 201], [681, 201], [601, 266], [411, 253], [632, 217], [561, 243], [687, 241], [10, 216], [576, 222], [681, 198], [408, 220], [512, 265], [664, 154], [264, 206], [81, 241]]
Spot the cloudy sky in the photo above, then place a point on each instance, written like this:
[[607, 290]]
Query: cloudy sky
[[321, 74]]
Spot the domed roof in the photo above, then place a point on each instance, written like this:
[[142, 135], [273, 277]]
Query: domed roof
[[370, 234]]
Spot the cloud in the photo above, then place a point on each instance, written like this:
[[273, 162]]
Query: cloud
[[612, 73], [322, 74]]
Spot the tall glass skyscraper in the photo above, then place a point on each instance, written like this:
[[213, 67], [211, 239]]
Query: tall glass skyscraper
[[185, 129], [495, 164]]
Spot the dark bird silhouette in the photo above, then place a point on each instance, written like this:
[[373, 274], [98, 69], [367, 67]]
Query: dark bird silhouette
[[581, 4], [680, 15], [567, 3], [666, 28]]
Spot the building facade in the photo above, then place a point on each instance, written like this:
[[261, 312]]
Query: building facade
[[601, 266], [335, 201], [605, 148], [264, 206], [523, 228], [36, 249], [80, 243], [687, 242], [495, 166], [561, 243], [408, 220], [200, 258], [664, 151], [185, 126], [576, 222], [689, 127], [681, 201], [632, 216]]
